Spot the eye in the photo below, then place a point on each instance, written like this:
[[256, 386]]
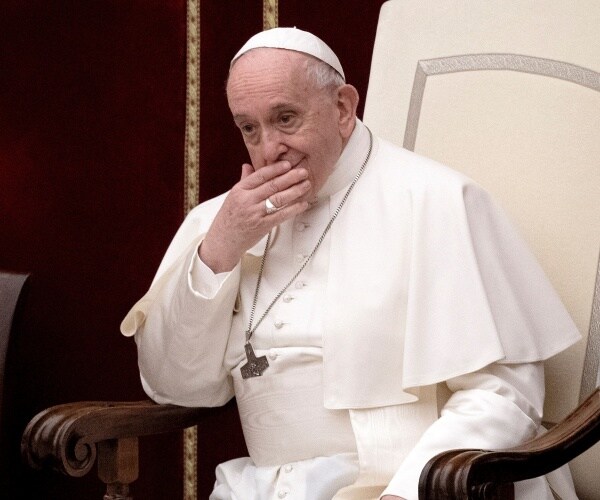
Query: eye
[[286, 119], [247, 128]]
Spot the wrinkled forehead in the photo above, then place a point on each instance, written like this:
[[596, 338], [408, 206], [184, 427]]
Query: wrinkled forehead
[[267, 79]]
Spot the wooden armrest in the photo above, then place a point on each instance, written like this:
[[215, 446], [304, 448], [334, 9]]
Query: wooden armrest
[[470, 474], [64, 437]]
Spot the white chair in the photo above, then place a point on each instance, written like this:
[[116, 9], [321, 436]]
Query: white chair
[[508, 92]]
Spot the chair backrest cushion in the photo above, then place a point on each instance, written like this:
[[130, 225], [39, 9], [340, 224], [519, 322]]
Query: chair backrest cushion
[[507, 92]]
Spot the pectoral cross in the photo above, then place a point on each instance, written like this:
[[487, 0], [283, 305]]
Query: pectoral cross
[[254, 367]]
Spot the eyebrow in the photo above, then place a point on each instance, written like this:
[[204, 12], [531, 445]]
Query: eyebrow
[[276, 109], [283, 106]]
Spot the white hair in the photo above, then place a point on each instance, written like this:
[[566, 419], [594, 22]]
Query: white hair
[[323, 75]]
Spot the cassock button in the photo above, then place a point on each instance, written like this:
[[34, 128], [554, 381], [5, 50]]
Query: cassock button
[[278, 323], [300, 226], [287, 297], [300, 258], [288, 468], [282, 494], [272, 354], [300, 284]]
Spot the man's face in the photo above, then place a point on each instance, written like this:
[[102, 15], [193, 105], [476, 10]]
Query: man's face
[[283, 115]]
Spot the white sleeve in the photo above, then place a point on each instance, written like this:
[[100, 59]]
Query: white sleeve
[[496, 407], [183, 333]]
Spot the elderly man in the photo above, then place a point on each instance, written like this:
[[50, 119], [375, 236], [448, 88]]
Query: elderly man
[[367, 307]]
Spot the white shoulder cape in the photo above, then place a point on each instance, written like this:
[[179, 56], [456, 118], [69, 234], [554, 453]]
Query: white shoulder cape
[[428, 280]]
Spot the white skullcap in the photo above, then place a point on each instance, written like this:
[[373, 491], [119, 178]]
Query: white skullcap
[[292, 39]]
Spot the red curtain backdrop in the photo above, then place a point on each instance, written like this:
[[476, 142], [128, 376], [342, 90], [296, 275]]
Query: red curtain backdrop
[[92, 117], [92, 108]]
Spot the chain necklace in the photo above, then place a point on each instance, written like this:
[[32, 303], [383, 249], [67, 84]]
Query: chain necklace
[[255, 366]]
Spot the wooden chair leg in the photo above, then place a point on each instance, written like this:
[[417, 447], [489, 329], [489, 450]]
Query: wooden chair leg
[[118, 466]]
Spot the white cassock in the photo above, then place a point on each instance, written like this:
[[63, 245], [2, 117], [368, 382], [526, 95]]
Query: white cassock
[[420, 325]]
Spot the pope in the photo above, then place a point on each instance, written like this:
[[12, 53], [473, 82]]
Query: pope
[[367, 307]]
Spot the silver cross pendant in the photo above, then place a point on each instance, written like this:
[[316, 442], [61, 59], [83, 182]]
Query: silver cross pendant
[[254, 367]]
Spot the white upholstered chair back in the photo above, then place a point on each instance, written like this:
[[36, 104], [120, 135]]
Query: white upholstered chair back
[[508, 91]]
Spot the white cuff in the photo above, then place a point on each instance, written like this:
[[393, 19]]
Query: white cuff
[[202, 280]]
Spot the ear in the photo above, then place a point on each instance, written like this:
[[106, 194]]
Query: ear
[[347, 102]]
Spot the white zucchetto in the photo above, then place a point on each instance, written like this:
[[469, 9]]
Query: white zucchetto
[[292, 39]]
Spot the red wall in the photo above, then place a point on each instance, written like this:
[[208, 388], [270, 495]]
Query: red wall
[[92, 96]]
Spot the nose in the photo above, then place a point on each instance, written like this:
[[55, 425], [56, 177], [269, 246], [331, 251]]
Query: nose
[[273, 146]]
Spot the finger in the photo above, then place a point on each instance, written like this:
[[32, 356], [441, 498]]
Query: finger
[[265, 174], [290, 195], [280, 184], [247, 169]]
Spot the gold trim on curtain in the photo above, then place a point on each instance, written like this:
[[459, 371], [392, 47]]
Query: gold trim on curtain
[[192, 105], [270, 14], [192, 183], [191, 195]]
